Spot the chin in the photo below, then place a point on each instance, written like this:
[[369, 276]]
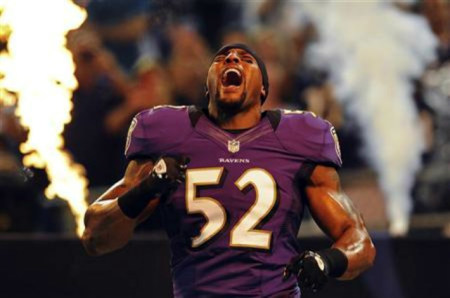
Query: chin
[[227, 98], [231, 103]]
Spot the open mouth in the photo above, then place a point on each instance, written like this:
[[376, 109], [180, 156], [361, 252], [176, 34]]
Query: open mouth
[[231, 77]]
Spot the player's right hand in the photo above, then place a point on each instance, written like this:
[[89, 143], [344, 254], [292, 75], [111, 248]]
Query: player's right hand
[[169, 172]]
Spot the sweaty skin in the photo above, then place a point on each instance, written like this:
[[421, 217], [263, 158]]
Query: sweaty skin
[[336, 215], [237, 107], [107, 228], [246, 98]]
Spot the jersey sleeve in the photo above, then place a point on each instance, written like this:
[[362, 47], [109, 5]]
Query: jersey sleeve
[[137, 144], [157, 131], [310, 137], [331, 151]]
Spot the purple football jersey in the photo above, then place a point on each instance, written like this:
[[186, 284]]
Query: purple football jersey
[[233, 224]]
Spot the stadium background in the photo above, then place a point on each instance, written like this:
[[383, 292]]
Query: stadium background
[[135, 54]]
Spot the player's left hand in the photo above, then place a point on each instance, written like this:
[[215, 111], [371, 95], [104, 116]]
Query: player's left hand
[[310, 269]]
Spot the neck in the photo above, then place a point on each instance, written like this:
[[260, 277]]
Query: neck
[[243, 119]]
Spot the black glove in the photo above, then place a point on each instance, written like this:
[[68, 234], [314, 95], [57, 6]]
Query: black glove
[[167, 173], [310, 270]]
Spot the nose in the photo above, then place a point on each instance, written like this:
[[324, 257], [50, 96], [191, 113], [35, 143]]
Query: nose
[[232, 57]]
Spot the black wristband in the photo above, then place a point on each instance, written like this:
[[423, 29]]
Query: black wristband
[[133, 202], [336, 261]]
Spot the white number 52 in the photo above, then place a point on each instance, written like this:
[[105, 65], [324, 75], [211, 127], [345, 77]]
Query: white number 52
[[243, 234]]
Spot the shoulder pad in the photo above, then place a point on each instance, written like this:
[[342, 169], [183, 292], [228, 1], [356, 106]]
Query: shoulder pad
[[156, 130], [309, 136]]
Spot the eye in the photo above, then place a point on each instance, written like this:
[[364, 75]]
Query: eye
[[248, 59], [219, 58]]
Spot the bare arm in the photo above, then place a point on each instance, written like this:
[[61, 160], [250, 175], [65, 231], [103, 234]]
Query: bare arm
[[335, 214], [107, 228]]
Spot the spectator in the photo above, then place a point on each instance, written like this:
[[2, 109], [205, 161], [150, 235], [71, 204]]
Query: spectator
[[19, 204], [102, 87], [188, 65], [151, 88], [124, 28]]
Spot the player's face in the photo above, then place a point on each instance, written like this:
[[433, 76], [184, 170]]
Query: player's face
[[234, 80]]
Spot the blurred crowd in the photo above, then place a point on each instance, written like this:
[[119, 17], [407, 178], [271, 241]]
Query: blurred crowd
[[135, 54]]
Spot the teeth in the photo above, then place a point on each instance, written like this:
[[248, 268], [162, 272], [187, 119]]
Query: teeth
[[231, 77], [232, 70]]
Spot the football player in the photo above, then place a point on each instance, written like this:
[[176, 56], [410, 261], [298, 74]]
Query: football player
[[233, 183]]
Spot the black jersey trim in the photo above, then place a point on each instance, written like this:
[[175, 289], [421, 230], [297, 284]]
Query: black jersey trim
[[194, 115], [329, 164], [236, 131], [302, 177], [274, 117]]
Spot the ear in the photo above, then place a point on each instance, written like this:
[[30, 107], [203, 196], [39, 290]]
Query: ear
[[206, 93], [263, 92], [205, 88]]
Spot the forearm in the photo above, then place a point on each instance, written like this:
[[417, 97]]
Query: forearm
[[355, 243], [110, 221], [107, 228]]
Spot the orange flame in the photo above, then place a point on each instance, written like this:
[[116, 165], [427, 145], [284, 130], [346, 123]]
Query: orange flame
[[40, 70]]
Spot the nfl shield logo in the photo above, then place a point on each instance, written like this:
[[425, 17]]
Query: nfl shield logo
[[233, 146]]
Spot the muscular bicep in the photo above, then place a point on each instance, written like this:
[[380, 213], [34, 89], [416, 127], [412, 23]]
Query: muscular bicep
[[332, 210], [136, 171], [107, 227], [335, 213]]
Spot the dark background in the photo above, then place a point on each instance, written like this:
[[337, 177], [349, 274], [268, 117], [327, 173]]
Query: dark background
[[132, 55], [45, 266]]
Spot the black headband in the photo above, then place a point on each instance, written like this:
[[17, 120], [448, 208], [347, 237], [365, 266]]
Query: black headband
[[261, 65]]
